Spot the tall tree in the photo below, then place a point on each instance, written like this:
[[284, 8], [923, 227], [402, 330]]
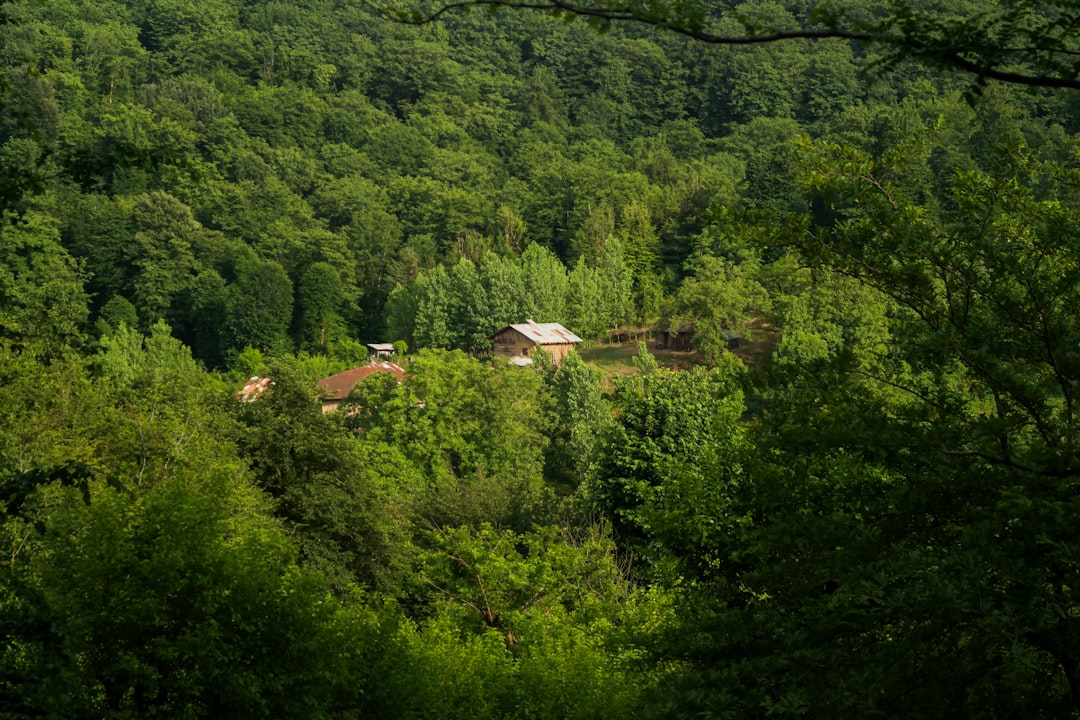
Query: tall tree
[[319, 301], [260, 306], [43, 304]]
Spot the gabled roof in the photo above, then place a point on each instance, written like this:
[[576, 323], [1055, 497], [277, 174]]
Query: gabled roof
[[543, 333], [336, 387], [381, 347]]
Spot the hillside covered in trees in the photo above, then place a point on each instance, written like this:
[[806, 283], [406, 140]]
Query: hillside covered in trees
[[881, 519]]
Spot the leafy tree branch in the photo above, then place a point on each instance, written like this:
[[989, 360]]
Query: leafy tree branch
[[1029, 44]]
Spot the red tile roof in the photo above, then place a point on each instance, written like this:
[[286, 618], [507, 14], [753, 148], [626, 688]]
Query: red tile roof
[[336, 387]]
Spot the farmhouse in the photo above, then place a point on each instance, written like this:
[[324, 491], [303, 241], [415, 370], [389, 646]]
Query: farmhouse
[[336, 388], [518, 342]]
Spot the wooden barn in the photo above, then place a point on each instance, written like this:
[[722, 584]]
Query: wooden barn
[[519, 341]]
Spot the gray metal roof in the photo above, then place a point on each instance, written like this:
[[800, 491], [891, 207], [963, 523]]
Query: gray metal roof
[[544, 333]]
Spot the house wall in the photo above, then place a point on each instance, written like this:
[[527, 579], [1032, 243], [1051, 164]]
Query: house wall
[[511, 343], [558, 352]]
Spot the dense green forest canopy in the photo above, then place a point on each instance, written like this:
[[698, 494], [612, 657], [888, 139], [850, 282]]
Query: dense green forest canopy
[[876, 517]]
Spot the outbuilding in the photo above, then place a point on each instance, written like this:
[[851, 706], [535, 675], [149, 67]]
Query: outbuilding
[[381, 350]]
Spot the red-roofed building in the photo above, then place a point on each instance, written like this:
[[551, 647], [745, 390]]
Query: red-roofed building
[[336, 388]]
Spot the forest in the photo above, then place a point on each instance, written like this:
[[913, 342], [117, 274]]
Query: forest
[[879, 517]]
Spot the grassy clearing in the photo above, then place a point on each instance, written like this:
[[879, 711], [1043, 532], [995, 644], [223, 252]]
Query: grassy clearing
[[617, 359]]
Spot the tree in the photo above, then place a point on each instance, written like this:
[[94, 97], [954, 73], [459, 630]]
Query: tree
[[1009, 285], [1030, 44], [477, 432], [166, 235], [582, 418], [260, 307], [433, 326], [43, 304], [206, 330], [504, 287], [666, 466], [719, 299], [181, 626], [116, 312], [470, 312], [586, 313], [908, 547], [544, 278], [641, 252], [401, 310], [616, 286], [319, 301], [124, 146], [153, 580], [336, 494]]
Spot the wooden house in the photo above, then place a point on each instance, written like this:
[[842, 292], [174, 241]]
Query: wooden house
[[518, 342]]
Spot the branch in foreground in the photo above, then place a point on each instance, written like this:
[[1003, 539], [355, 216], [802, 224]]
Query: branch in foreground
[[904, 45], [1010, 463], [613, 15]]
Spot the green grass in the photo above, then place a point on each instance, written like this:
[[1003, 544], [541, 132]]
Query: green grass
[[617, 359]]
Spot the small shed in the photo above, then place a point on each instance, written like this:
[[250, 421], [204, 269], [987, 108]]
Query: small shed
[[337, 387], [733, 339], [519, 341], [381, 350], [682, 339]]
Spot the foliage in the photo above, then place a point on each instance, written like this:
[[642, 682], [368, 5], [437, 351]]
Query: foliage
[[476, 432], [717, 300], [335, 493], [582, 417], [670, 459], [876, 519], [41, 286]]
